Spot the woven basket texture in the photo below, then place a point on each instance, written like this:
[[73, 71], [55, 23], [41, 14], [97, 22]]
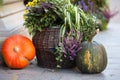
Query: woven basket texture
[[45, 43]]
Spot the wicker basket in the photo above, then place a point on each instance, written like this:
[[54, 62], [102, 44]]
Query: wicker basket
[[45, 43]]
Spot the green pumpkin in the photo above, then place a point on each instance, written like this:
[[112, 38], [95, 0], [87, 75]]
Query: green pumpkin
[[92, 58]]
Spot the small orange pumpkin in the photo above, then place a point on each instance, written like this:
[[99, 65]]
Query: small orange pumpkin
[[17, 51]]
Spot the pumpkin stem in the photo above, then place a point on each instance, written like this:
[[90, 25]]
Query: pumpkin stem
[[16, 49], [91, 37]]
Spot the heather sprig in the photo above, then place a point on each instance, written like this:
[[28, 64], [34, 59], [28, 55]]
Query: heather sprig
[[70, 46], [109, 14]]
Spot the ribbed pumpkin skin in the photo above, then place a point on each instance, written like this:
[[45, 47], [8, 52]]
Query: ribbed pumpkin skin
[[92, 58], [17, 51]]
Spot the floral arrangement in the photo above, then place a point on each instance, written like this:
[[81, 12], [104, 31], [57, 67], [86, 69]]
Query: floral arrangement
[[75, 25]]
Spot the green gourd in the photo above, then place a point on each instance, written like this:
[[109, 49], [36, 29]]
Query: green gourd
[[92, 58]]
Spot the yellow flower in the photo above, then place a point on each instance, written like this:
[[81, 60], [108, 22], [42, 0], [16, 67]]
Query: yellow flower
[[33, 3], [30, 4], [26, 11], [24, 17]]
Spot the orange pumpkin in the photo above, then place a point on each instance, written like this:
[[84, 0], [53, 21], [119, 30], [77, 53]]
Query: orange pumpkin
[[17, 51]]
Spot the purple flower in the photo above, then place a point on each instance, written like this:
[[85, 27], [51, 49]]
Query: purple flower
[[107, 13], [71, 44], [85, 7], [88, 6]]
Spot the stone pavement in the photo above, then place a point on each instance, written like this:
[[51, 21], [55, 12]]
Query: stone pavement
[[109, 38]]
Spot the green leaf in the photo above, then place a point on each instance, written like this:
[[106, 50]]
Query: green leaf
[[61, 60], [58, 66], [57, 59]]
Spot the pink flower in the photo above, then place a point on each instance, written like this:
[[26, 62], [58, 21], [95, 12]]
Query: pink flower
[[109, 14]]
